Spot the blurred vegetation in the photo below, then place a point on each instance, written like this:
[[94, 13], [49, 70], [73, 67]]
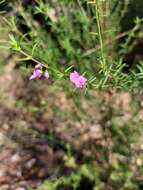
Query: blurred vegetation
[[67, 35], [64, 35]]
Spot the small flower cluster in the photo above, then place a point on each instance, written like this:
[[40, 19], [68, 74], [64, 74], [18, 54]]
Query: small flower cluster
[[38, 73], [78, 80]]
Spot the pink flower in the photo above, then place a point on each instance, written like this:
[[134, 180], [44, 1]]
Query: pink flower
[[37, 73], [38, 66], [78, 80], [46, 75]]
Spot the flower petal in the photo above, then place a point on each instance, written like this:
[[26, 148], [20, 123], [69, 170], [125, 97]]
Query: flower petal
[[32, 77], [46, 75], [74, 76], [78, 80], [37, 73], [38, 66]]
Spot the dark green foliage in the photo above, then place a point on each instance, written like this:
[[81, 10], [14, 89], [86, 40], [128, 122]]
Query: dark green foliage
[[81, 35]]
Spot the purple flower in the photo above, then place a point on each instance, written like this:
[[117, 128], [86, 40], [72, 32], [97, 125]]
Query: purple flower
[[74, 76], [78, 80], [38, 66], [37, 73], [46, 75]]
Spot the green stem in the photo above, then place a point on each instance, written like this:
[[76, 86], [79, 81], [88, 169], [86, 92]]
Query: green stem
[[103, 62], [31, 58]]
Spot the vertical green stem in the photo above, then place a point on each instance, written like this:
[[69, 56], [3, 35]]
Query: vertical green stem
[[103, 62]]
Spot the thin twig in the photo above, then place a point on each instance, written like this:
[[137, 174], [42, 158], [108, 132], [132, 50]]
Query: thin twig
[[31, 58]]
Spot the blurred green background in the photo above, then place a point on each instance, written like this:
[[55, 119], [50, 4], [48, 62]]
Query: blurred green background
[[78, 140]]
